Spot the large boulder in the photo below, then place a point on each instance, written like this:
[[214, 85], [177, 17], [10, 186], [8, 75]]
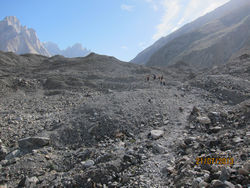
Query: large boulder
[[30, 143]]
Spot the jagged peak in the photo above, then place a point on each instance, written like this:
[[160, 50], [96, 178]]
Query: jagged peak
[[13, 20]]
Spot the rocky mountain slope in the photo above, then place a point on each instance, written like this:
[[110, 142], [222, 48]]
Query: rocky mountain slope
[[19, 39], [74, 51], [210, 40], [97, 122]]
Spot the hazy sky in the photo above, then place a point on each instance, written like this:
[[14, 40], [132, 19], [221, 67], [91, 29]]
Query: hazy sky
[[120, 28]]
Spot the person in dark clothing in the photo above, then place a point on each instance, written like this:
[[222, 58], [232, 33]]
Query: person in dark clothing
[[148, 78], [154, 76]]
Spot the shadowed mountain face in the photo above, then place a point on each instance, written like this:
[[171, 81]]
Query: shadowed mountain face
[[19, 39], [210, 40]]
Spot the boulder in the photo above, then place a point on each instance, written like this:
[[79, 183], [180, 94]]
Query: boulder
[[217, 184], [237, 139], [243, 172], [165, 122], [88, 163], [203, 120], [196, 182], [155, 134], [28, 182], [30, 143], [13, 154], [215, 129], [225, 174]]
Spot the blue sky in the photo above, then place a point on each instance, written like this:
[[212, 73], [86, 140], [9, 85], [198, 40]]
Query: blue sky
[[120, 28]]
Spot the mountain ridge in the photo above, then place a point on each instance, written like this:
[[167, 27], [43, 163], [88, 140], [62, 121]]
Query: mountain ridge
[[76, 50], [230, 7]]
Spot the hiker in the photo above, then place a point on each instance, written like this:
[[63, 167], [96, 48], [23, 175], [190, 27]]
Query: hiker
[[154, 76], [161, 77], [147, 78]]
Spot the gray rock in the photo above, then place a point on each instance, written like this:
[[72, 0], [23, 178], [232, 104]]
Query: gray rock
[[214, 116], [215, 129], [214, 169], [237, 139], [130, 159], [229, 184], [30, 143], [155, 134], [28, 182], [203, 120], [195, 112], [83, 155], [243, 156], [166, 122], [225, 174], [217, 184], [238, 186], [104, 158], [203, 184], [156, 123], [13, 154], [125, 178], [188, 141], [3, 162], [243, 172], [168, 170], [3, 152], [88, 163], [196, 182], [158, 149], [206, 177], [246, 166]]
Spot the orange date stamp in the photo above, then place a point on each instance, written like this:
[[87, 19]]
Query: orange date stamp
[[214, 161]]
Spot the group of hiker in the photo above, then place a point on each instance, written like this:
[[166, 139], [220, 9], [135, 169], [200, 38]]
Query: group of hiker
[[154, 77]]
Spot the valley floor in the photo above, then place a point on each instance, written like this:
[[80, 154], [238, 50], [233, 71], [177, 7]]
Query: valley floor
[[62, 126]]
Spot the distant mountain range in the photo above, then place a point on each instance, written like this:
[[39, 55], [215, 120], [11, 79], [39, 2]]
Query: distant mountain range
[[21, 40], [210, 40], [76, 50]]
